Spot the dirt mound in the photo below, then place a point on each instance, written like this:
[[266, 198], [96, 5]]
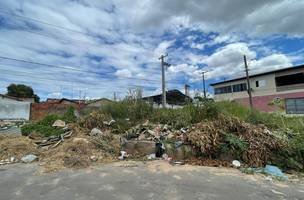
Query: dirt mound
[[16, 146]]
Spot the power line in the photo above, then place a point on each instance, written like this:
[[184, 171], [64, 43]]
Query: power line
[[31, 75], [49, 24], [69, 85], [22, 17], [49, 36], [69, 68]]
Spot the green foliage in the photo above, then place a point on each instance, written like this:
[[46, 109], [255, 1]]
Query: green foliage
[[292, 156], [271, 120], [174, 117], [48, 120], [297, 150], [69, 115], [20, 90], [134, 110], [42, 130], [27, 129], [44, 126], [233, 145]]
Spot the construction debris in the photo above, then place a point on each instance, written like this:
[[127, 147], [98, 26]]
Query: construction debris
[[94, 140], [95, 132], [29, 158], [59, 123], [109, 123], [54, 141]]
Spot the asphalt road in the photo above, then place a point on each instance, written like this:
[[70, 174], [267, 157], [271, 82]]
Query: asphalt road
[[127, 181]]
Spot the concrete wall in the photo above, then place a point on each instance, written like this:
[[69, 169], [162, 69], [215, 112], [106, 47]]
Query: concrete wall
[[12, 109]]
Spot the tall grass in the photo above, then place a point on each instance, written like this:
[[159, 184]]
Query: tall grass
[[271, 120]]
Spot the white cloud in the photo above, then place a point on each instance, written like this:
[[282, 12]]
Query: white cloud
[[123, 73], [124, 40]]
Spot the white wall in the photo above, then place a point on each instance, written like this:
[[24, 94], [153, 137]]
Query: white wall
[[12, 109]]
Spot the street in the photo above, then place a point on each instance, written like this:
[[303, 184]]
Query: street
[[138, 180]]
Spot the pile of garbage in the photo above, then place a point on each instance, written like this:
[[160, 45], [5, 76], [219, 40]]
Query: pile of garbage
[[76, 147], [153, 132], [95, 139], [207, 137]]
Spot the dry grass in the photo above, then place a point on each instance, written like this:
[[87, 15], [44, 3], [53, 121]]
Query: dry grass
[[16, 146], [207, 136], [75, 153]]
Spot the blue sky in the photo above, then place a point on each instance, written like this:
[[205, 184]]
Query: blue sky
[[102, 47]]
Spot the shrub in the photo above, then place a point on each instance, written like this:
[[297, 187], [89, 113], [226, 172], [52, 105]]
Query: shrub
[[134, 110], [27, 129], [43, 127], [69, 115], [233, 145], [297, 149], [49, 120], [174, 117], [42, 130]]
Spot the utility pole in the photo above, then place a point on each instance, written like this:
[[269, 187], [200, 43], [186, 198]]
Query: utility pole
[[248, 82], [114, 96], [79, 96], [187, 89], [203, 74], [163, 65]]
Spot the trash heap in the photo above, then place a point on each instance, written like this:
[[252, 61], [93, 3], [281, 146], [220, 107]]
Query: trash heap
[[259, 143], [76, 146], [226, 141], [153, 132]]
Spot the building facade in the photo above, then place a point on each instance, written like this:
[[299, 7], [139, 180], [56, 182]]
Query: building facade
[[174, 98], [279, 90]]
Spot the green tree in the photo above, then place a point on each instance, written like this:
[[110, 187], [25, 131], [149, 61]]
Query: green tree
[[20, 90]]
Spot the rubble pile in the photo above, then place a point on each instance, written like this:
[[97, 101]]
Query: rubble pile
[[154, 132]]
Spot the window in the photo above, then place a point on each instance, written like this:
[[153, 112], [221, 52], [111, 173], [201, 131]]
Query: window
[[290, 79], [239, 87], [223, 90], [294, 106], [260, 83]]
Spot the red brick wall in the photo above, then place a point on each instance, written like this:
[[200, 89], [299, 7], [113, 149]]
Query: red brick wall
[[40, 110], [262, 102]]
